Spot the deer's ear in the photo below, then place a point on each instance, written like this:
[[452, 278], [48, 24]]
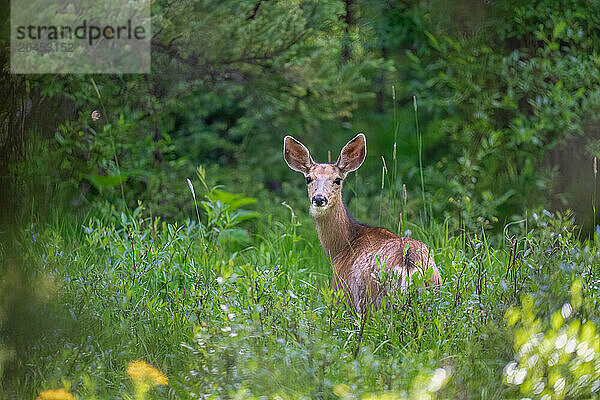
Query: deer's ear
[[296, 155], [353, 154]]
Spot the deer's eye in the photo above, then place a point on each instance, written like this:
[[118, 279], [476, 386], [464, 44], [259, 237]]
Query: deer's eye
[[337, 181], [308, 179]]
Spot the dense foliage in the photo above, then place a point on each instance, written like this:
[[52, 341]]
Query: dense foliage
[[265, 322], [124, 236], [506, 103]]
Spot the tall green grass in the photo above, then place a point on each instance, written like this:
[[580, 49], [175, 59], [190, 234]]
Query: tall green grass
[[252, 313], [235, 301]]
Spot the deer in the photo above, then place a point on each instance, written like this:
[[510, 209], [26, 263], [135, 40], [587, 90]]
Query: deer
[[356, 251]]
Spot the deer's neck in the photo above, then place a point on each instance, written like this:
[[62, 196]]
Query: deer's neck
[[337, 229]]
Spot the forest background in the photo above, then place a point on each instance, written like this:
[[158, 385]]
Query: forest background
[[482, 134]]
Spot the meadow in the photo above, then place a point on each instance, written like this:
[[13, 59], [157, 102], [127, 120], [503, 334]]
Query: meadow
[[154, 244], [233, 303]]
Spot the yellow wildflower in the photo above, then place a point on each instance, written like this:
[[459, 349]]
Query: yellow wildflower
[[139, 370], [341, 390], [57, 394]]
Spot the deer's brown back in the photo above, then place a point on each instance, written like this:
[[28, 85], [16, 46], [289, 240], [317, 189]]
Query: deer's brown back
[[357, 266]]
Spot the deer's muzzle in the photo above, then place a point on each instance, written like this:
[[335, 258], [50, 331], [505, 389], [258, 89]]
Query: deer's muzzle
[[319, 201]]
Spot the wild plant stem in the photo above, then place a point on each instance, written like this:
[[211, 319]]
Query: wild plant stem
[[363, 323], [185, 276], [195, 200], [394, 162], [420, 144], [112, 142], [594, 197]]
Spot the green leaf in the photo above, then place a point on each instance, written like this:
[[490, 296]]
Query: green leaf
[[428, 274], [433, 40], [231, 200], [59, 138], [235, 235], [242, 215], [559, 29], [100, 182]]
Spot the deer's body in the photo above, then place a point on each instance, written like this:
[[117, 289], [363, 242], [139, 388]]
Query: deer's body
[[357, 251]]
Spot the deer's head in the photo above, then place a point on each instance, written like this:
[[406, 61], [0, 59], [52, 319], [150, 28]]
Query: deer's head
[[324, 181]]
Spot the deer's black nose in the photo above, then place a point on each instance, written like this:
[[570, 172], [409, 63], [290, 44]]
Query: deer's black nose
[[319, 201]]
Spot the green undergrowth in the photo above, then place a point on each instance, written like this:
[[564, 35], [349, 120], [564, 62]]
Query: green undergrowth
[[234, 304]]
